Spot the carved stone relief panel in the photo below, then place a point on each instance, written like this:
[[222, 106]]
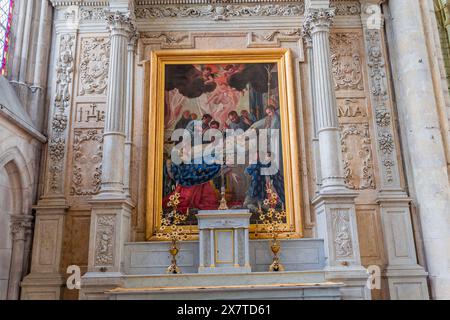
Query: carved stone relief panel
[[382, 106], [93, 66], [356, 144], [86, 162], [342, 233], [346, 52], [89, 115], [61, 103], [347, 58], [104, 255], [219, 11]]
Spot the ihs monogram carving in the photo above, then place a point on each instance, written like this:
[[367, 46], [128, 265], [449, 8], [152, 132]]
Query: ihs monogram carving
[[92, 113], [94, 65], [104, 255], [342, 234], [87, 162], [64, 73], [346, 61], [219, 12]]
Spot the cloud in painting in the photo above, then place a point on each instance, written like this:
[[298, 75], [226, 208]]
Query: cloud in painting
[[256, 75], [188, 80]]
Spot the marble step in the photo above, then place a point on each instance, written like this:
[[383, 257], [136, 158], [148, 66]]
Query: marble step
[[293, 291], [201, 280]]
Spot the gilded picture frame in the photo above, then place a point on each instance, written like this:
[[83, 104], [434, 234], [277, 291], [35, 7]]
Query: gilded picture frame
[[155, 80]]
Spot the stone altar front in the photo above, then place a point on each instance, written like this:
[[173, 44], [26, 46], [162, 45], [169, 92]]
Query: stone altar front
[[224, 241]]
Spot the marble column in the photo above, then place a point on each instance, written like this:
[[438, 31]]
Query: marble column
[[111, 208], [114, 134], [315, 141], [317, 25], [423, 142], [129, 113], [406, 279], [334, 204]]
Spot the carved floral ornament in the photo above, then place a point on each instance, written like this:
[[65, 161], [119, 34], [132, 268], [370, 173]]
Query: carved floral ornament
[[64, 77]]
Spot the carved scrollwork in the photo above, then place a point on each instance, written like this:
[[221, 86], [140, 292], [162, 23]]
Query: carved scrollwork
[[87, 162], [346, 61], [357, 155], [346, 8], [218, 11], [88, 13]]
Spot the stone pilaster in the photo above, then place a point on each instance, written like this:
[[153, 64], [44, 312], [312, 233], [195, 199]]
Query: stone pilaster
[[46, 280], [406, 278], [424, 148], [334, 205], [21, 230]]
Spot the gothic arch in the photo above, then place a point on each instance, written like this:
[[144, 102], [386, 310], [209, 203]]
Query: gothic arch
[[15, 218]]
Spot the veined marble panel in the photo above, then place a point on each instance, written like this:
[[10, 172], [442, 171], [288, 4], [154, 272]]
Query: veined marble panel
[[153, 257]]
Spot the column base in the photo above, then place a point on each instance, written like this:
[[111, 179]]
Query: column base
[[110, 229], [94, 284], [407, 282], [336, 224], [42, 286], [355, 279]]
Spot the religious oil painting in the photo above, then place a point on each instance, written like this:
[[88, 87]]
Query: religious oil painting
[[222, 136]]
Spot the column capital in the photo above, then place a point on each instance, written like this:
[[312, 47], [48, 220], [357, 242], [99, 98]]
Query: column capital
[[121, 23], [317, 20], [21, 226], [132, 42]]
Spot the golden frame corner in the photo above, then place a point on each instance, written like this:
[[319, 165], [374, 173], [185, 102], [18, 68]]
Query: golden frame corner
[[155, 101]]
